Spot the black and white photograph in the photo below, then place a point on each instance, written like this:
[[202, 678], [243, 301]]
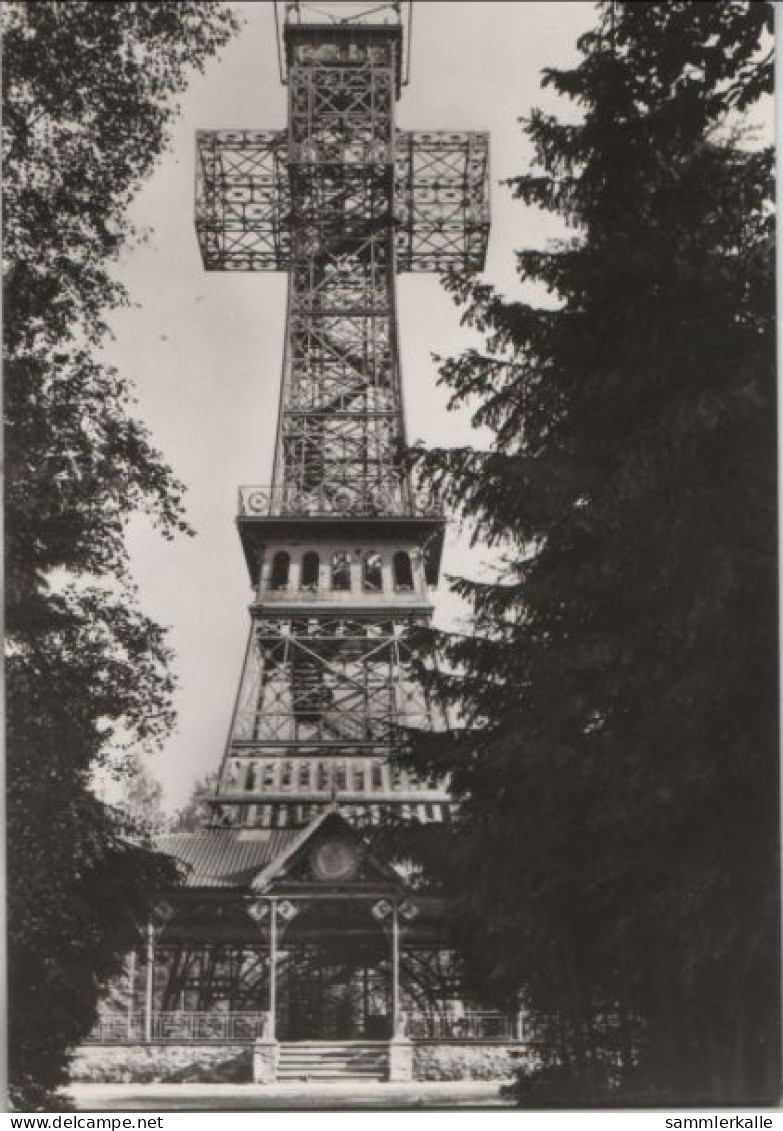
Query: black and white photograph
[[391, 559]]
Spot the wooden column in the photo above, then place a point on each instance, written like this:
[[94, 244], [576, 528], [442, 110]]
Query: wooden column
[[150, 983], [131, 990], [272, 968], [395, 971]]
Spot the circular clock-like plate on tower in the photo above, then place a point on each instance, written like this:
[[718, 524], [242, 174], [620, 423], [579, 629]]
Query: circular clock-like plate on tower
[[334, 860]]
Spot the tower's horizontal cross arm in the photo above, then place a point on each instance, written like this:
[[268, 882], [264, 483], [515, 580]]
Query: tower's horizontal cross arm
[[242, 200], [441, 205], [246, 204]]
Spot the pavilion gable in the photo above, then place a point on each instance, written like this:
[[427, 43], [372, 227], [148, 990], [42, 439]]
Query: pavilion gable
[[329, 853]]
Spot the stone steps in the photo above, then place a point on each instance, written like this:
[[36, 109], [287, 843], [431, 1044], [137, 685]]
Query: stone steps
[[333, 1060]]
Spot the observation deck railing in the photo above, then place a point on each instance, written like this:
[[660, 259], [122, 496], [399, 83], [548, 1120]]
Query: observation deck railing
[[392, 500]]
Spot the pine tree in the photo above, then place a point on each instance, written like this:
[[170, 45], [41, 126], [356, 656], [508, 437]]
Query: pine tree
[[615, 857]]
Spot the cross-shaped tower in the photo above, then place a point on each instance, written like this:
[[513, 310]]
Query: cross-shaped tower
[[340, 553], [286, 926]]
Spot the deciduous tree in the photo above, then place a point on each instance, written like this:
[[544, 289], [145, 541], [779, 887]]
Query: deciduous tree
[[89, 92]]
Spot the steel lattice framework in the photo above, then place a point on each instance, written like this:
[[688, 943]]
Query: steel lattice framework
[[439, 206], [343, 201], [341, 557]]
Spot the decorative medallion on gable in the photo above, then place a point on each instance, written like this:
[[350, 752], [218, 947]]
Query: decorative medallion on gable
[[331, 854], [333, 860]]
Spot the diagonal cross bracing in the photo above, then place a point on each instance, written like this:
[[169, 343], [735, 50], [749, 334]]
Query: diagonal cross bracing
[[337, 547]]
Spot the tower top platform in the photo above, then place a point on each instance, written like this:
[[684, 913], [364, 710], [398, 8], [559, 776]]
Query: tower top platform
[[348, 20]]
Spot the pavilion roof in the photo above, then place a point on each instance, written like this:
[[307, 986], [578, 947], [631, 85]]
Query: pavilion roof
[[225, 858]]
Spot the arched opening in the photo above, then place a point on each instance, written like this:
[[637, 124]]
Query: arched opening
[[372, 573], [341, 570], [281, 565], [311, 565], [403, 571]]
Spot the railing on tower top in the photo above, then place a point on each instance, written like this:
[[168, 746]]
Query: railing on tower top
[[390, 500], [345, 12], [341, 13]]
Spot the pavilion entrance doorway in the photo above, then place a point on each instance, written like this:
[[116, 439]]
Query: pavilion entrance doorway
[[326, 1001], [334, 984]]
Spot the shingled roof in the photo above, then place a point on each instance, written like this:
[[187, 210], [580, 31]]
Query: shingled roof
[[225, 858]]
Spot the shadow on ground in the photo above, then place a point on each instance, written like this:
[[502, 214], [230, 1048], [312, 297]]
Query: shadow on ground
[[467, 1095]]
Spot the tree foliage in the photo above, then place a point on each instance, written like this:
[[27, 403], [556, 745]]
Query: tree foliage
[[89, 92], [616, 854], [195, 812], [141, 800]]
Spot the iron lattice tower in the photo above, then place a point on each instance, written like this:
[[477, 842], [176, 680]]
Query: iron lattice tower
[[340, 554]]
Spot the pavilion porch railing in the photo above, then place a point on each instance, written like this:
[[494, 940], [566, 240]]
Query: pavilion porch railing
[[180, 1027], [186, 1027], [472, 1025]]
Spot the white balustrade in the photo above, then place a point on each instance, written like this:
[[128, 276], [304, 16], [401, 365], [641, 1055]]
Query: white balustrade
[[179, 1026], [186, 1027], [472, 1025]]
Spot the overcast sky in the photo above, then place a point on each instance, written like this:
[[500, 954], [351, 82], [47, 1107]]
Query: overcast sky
[[205, 350]]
